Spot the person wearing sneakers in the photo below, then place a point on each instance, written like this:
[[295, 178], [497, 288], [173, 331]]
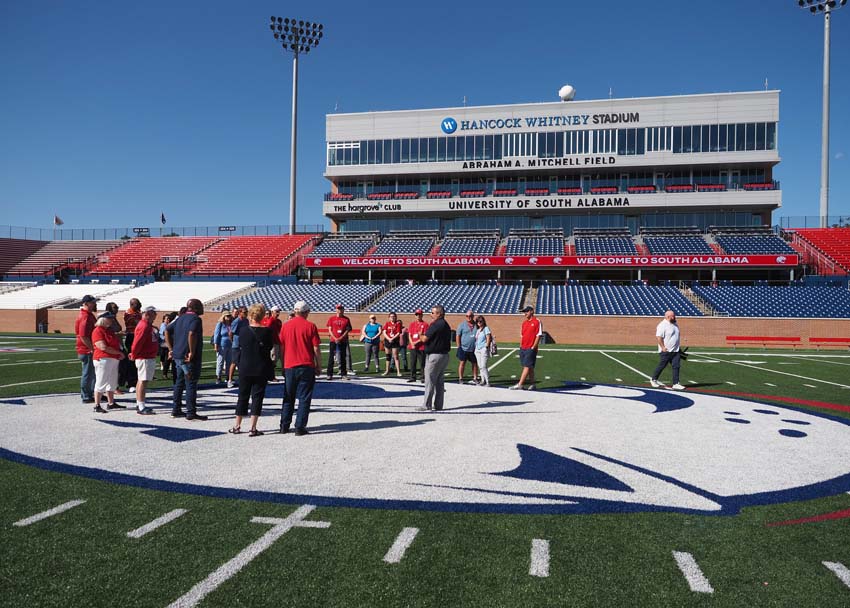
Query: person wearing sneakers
[[370, 335], [186, 346], [438, 342], [107, 355], [392, 342], [302, 359], [83, 328], [416, 345], [530, 334], [465, 337], [339, 328], [143, 353], [667, 335]]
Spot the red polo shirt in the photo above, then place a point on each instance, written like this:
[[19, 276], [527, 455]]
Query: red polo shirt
[[416, 330], [298, 337], [110, 338], [338, 326], [274, 325], [145, 346], [531, 328], [131, 320], [84, 326], [392, 330]]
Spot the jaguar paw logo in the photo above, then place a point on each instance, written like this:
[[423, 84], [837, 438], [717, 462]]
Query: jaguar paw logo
[[448, 125], [781, 259]]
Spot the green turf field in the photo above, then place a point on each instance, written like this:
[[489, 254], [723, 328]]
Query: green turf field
[[84, 557]]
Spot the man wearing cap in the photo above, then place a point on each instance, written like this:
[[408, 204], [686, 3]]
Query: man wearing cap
[[438, 343], [339, 327], [530, 334], [465, 336], [370, 335], [186, 344], [302, 359], [273, 322], [143, 352], [83, 328], [416, 331]]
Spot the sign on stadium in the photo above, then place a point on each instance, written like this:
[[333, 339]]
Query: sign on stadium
[[568, 261]]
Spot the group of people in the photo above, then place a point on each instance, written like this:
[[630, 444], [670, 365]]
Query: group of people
[[253, 340]]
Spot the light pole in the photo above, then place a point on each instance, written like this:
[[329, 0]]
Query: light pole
[[826, 7], [296, 36]]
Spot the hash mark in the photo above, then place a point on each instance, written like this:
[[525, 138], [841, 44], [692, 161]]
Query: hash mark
[[159, 521], [539, 558], [49, 513], [691, 570], [401, 545]]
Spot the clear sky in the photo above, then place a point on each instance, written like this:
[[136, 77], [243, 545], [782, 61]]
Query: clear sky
[[113, 112]]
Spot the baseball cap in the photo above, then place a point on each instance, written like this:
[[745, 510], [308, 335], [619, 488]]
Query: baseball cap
[[527, 308], [89, 298], [301, 306], [106, 315], [275, 308], [340, 307], [418, 311], [150, 309]]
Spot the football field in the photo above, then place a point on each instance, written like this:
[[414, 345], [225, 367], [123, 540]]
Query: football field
[[593, 490]]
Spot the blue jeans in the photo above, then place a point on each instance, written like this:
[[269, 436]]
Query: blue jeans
[[87, 379], [187, 378], [339, 349], [299, 385], [671, 359]]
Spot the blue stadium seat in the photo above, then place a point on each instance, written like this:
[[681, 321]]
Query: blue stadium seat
[[484, 299], [629, 300], [320, 297], [777, 301]]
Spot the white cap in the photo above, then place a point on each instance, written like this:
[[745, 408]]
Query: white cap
[[150, 309], [301, 306], [275, 308]]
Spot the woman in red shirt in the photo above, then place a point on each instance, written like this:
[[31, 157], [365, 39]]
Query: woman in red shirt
[[392, 342], [107, 354]]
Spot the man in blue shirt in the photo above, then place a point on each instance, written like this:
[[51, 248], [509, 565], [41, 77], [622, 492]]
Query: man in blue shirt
[[186, 345], [239, 320], [465, 336]]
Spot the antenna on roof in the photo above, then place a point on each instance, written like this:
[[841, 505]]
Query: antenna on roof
[[610, 92], [464, 101], [765, 83], [336, 106]]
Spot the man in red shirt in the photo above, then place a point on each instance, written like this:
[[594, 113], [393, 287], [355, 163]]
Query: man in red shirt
[[532, 331], [339, 327], [83, 328], [299, 343], [273, 322], [416, 331], [143, 352], [132, 317]]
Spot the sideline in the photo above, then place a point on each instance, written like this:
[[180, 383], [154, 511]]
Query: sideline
[[776, 371], [637, 371]]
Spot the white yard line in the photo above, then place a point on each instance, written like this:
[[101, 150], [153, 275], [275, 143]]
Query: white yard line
[[502, 360], [820, 360], [159, 521], [40, 381], [839, 570], [539, 558], [49, 513], [401, 545], [637, 371], [691, 570], [229, 569], [769, 384], [809, 385], [40, 362], [775, 371], [699, 353]]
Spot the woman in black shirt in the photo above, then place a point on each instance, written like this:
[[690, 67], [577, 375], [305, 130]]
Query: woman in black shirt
[[256, 368]]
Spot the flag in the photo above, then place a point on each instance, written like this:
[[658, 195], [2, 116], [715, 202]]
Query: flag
[[162, 218], [57, 221]]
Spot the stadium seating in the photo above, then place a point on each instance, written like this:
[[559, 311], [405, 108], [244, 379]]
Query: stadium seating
[[322, 298], [484, 299], [507, 192], [605, 246], [249, 254], [673, 243], [833, 242], [439, 194], [679, 188], [10, 286], [641, 189], [572, 190], [46, 296], [172, 295], [711, 187], [770, 301], [477, 192], [472, 242], [536, 191], [143, 256], [535, 242], [56, 254], [754, 244], [340, 196], [345, 245], [406, 243], [13, 251], [631, 300]]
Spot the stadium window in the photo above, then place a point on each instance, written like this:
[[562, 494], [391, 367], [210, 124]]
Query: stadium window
[[355, 154], [346, 155], [388, 150], [712, 138], [621, 142], [640, 144], [450, 148], [705, 145], [379, 152], [405, 150], [631, 141], [441, 149], [677, 140], [696, 138], [740, 137], [396, 151], [414, 150], [432, 149], [370, 152], [722, 132], [477, 147], [771, 136], [423, 149], [751, 135], [760, 145], [686, 140], [559, 145], [497, 147]]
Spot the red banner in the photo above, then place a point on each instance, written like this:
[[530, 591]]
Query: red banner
[[549, 261]]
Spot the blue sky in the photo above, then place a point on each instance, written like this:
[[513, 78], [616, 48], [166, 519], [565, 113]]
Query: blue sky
[[113, 112]]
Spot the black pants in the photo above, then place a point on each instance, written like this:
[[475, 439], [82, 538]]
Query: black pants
[[127, 374], [665, 359], [342, 349], [417, 359], [253, 387]]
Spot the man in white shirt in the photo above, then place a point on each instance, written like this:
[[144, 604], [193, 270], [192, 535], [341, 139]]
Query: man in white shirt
[[667, 336]]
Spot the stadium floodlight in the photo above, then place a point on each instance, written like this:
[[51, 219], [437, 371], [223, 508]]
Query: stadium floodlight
[[296, 36], [826, 7]]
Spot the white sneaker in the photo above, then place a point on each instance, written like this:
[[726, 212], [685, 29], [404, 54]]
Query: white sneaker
[[230, 384], [132, 389], [473, 381], [654, 383], [515, 387], [531, 387], [678, 387], [328, 377]]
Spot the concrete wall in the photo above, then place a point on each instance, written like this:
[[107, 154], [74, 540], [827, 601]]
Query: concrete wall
[[607, 330]]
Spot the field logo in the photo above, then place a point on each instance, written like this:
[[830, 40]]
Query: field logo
[[449, 125]]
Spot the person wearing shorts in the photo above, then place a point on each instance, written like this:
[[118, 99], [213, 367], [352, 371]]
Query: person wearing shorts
[[143, 353], [532, 331]]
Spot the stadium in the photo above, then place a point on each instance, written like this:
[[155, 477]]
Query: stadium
[[596, 486]]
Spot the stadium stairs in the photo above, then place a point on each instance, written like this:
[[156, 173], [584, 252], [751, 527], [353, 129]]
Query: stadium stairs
[[530, 298], [217, 303], [703, 306]]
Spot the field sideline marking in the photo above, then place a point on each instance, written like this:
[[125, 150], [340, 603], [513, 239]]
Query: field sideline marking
[[821, 361], [539, 558], [40, 381], [637, 371], [401, 544], [503, 359], [159, 521], [700, 353], [839, 570], [776, 371], [49, 513], [244, 557], [692, 572]]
